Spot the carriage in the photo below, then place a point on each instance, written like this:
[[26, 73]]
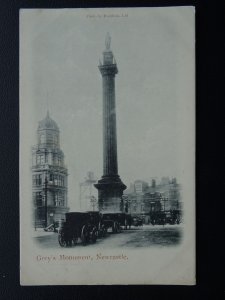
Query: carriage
[[97, 220], [137, 221], [125, 220], [165, 217], [79, 225], [115, 221]]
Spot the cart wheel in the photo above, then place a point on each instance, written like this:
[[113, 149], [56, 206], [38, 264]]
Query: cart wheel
[[69, 242], [94, 234], [74, 240], [61, 240], [85, 235]]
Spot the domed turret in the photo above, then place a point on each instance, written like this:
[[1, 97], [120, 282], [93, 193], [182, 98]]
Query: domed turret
[[48, 123], [48, 133]]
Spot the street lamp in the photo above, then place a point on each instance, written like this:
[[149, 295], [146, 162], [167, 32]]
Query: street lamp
[[35, 225], [46, 203], [51, 215]]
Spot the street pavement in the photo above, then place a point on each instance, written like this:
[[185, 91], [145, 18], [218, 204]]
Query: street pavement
[[136, 237]]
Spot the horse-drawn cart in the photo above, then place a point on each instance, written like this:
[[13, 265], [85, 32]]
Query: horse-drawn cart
[[78, 225], [115, 221]]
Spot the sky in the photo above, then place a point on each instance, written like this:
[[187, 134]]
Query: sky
[[154, 51]]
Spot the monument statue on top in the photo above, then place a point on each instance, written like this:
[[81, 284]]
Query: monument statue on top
[[107, 41]]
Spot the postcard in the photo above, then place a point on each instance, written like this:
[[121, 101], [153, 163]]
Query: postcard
[[107, 146]]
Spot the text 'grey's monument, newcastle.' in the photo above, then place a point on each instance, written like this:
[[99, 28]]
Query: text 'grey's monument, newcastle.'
[[110, 187]]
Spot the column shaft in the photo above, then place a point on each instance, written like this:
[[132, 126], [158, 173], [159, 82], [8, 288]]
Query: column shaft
[[110, 166]]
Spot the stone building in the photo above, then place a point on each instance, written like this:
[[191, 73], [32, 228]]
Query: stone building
[[142, 198], [49, 175]]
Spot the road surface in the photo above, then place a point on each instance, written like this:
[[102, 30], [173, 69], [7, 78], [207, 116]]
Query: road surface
[[146, 236]]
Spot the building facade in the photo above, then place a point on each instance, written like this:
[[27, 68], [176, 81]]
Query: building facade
[[49, 175], [143, 199]]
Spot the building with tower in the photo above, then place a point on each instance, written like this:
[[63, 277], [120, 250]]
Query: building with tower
[[110, 187], [49, 175]]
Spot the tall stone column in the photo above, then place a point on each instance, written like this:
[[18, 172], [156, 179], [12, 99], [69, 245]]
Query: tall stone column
[[110, 187]]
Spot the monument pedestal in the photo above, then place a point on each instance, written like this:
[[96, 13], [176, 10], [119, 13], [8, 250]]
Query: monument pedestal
[[110, 191]]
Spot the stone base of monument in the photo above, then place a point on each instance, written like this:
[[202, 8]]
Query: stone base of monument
[[110, 191]]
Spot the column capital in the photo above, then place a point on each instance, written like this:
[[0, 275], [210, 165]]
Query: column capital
[[108, 70]]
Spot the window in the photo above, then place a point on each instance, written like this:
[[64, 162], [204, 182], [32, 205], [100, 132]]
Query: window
[[38, 199], [55, 139], [61, 180], [55, 180], [42, 159], [37, 179], [51, 178], [61, 199], [56, 199], [50, 138], [42, 139], [38, 159]]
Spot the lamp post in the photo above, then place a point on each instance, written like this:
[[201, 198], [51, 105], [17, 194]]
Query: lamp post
[[35, 225], [51, 215], [46, 200]]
